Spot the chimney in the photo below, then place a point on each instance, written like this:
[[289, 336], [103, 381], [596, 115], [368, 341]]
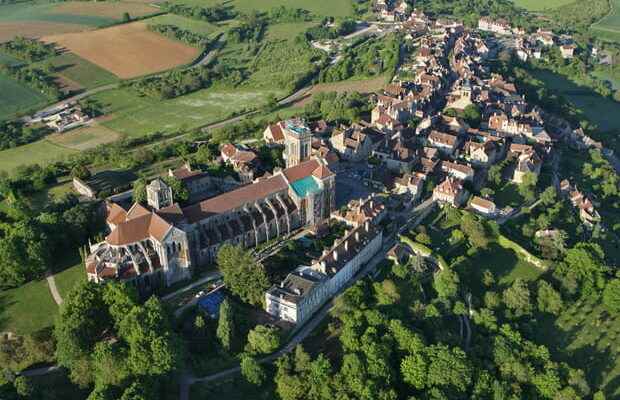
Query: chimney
[[325, 252], [346, 245], [335, 255], [367, 226], [357, 236], [323, 266]]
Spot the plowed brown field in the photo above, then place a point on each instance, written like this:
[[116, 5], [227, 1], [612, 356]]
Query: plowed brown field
[[128, 50], [35, 29]]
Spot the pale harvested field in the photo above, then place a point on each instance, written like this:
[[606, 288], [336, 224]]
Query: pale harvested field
[[36, 29], [362, 86], [105, 9], [85, 138], [128, 50]]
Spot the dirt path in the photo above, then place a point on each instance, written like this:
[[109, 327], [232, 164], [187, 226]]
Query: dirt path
[[51, 283]]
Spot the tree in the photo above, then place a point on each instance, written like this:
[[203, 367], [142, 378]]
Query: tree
[[611, 295], [179, 191], [471, 115], [549, 300], [252, 371], [80, 171], [386, 292], [242, 274], [225, 326], [548, 196], [475, 231], [139, 191], [446, 283], [23, 386], [527, 186], [414, 369], [126, 17], [263, 339], [517, 298]]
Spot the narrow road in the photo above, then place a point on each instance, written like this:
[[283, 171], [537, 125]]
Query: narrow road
[[40, 371], [77, 97], [209, 277], [51, 283]]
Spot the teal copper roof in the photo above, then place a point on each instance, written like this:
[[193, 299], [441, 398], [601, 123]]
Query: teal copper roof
[[305, 186]]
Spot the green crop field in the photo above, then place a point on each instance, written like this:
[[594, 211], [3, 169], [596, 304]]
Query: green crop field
[[40, 152], [16, 98], [609, 27], [133, 115], [541, 5], [80, 71], [44, 12], [336, 8]]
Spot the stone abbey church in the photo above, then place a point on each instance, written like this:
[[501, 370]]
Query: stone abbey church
[[158, 245]]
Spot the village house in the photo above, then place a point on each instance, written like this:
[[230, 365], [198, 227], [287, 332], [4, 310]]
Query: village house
[[587, 213], [274, 134], [396, 154], [359, 211], [568, 51], [483, 206], [411, 183], [355, 143], [67, 119], [450, 191], [527, 163], [444, 142], [458, 171], [500, 26], [243, 160], [485, 153]]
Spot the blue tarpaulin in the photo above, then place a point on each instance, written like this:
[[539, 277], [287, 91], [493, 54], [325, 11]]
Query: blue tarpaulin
[[210, 303]]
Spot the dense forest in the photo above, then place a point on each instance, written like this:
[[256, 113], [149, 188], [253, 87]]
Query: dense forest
[[174, 83]]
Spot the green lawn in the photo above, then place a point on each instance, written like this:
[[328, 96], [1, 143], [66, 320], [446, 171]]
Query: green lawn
[[586, 336], [40, 152], [335, 8], [27, 309], [288, 30], [133, 115], [541, 5], [17, 98], [77, 69]]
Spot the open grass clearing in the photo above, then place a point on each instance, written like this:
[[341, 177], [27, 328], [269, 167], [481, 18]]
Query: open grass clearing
[[114, 10], [85, 138], [288, 30], [362, 86], [128, 50], [142, 116], [16, 97], [27, 309], [335, 8], [84, 73], [600, 110], [541, 5], [40, 152], [68, 278]]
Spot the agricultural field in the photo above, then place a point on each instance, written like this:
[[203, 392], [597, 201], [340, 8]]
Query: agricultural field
[[17, 98], [36, 20], [335, 8], [541, 5], [42, 151], [84, 74], [132, 115], [128, 50], [609, 27]]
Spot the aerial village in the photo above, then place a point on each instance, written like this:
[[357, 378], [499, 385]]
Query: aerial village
[[374, 179]]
